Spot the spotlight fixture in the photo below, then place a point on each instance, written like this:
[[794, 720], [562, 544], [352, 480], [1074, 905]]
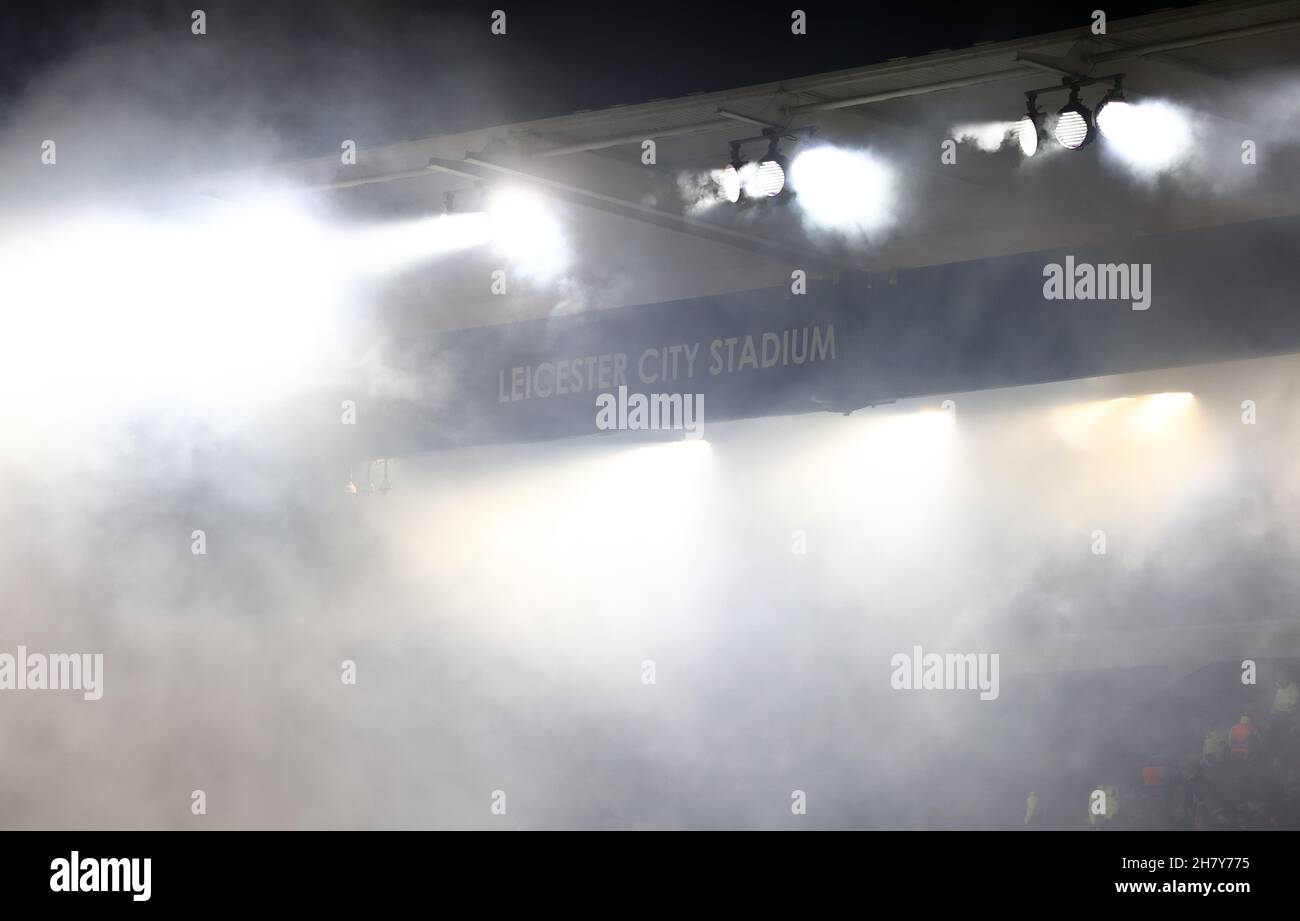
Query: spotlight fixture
[[385, 487], [1074, 122], [1113, 106], [772, 169], [731, 175], [351, 488], [1029, 130]]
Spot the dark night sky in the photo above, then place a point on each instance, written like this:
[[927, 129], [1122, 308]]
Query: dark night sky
[[385, 70]]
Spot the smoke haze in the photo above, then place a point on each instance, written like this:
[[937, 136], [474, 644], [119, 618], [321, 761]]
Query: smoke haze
[[176, 360]]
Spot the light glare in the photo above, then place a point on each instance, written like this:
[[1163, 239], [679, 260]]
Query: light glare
[[1109, 422], [525, 231], [1151, 136], [846, 191]]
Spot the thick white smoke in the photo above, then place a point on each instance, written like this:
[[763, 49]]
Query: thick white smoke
[[614, 635], [505, 605], [987, 136]]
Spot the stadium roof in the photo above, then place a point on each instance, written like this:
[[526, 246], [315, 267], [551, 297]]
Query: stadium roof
[[626, 215]]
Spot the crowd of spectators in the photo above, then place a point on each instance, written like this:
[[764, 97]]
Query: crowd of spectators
[[1246, 775]]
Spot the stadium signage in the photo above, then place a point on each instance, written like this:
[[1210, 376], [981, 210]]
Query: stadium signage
[[857, 339]]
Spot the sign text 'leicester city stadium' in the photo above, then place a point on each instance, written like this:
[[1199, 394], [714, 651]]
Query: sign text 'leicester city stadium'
[[670, 363]]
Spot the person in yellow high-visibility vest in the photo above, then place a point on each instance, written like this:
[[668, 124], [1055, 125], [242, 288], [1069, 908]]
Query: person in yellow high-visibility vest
[[1215, 747], [1286, 698]]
